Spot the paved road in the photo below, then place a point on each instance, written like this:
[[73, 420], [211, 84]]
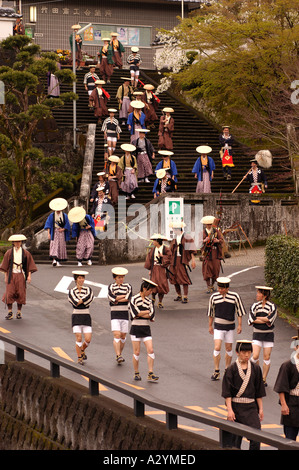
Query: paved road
[[183, 346]]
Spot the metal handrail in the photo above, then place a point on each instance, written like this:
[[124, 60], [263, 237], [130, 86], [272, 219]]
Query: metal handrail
[[141, 399]]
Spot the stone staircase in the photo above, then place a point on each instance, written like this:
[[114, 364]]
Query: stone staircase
[[191, 130]]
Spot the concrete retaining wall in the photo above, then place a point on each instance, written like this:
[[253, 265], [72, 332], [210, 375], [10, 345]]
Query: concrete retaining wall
[[38, 412]]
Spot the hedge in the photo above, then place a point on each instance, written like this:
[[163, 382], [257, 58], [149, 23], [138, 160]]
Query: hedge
[[282, 270]]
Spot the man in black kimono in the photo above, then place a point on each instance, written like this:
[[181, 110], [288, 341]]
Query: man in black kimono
[[287, 386], [243, 389]]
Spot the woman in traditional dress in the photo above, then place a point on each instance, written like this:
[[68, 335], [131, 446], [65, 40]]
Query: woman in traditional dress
[[166, 128], [183, 251], [102, 210], [77, 54], [211, 252], [163, 184], [145, 153], [98, 100], [128, 165], [226, 154], [124, 96], [157, 262], [118, 51], [115, 176], [204, 168], [151, 105], [81, 298], [257, 179], [136, 119], [134, 60], [83, 231], [106, 60], [111, 130], [18, 265], [262, 316], [142, 312], [59, 231]]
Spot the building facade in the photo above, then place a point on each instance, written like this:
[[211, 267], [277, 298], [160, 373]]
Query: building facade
[[137, 23]]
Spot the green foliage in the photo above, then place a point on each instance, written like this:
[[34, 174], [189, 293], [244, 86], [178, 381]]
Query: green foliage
[[24, 169], [282, 270]]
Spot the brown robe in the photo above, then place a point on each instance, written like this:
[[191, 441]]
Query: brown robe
[[115, 183], [99, 103], [150, 109], [165, 134], [158, 271], [211, 263], [180, 264], [16, 284]]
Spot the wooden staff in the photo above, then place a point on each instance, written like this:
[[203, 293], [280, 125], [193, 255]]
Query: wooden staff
[[241, 181]]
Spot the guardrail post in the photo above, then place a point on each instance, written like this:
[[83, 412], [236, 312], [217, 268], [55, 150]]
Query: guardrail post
[[93, 387], [55, 370], [171, 421], [138, 409], [20, 354]]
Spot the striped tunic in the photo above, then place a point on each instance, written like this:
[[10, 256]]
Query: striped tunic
[[224, 310], [263, 331], [111, 127], [81, 314], [137, 60], [89, 80], [120, 310], [140, 327]]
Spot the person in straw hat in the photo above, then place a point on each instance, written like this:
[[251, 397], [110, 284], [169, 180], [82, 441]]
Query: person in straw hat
[[224, 307], [115, 176], [257, 179], [102, 180], [157, 262], [226, 154], [128, 165], [134, 60], [81, 298], [137, 96], [145, 153], [111, 130], [151, 105], [101, 210], [136, 119], [204, 168], [286, 385], [168, 164], [166, 129], [183, 252], [59, 230], [163, 184], [211, 252], [83, 230], [18, 265], [119, 296], [105, 55], [77, 55], [118, 51], [243, 390], [262, 316], [124, 96], [98, 100], [142, 312], [90, 79]]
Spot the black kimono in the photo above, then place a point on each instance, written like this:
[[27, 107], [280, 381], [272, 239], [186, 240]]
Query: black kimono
[[287, 382]]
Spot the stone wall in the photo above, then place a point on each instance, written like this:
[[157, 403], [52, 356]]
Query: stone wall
[[38, 412]]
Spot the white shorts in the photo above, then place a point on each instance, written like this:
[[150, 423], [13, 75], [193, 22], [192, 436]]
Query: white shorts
[[111, 138], [135, 72], [82, 329], [120, 325], [146, 338], [224, 335], [263, 344]]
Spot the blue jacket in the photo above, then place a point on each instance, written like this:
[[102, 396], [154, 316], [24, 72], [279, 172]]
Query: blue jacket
[[50, 224], [198, 168], [130, 122], [173, 169], [76, 227]]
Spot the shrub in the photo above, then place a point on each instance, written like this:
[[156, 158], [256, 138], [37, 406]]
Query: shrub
[[282, 270]]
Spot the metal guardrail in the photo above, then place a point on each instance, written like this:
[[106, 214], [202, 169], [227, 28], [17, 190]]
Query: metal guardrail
[[141, 399]]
